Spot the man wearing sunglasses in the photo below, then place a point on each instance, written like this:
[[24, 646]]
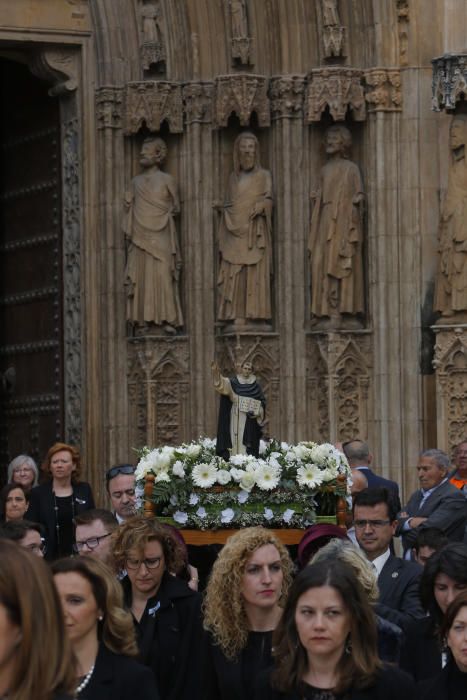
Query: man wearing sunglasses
[[121, 484], [93, 537]]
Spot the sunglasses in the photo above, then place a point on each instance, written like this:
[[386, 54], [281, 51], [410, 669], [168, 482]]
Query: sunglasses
[[119, 469]]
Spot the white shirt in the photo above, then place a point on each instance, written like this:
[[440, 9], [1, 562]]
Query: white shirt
[[380, 561]]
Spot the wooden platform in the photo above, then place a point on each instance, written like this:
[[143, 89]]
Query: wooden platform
[[200, 537]]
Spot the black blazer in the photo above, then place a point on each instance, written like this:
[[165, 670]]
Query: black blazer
[[169, 637], [391, 684], [445, 509], [118, 677], [450, 684], [421, 650], [41, 510], [399, 600], [376, 481]]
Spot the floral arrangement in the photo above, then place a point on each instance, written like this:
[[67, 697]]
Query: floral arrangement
[[288, 486]]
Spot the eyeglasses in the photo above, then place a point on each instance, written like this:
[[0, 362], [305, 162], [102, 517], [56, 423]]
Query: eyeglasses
[[148, 563], [22, 470], [42, 547], [361, 524], [119, 469], [90, 543]]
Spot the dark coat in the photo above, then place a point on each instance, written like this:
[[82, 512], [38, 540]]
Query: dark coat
[[391, 684], [449, 684], [421, 651], [234, 679], [118, 677], [399, 600], [169, 637], [376, 481], [41, 510], [445, 508]]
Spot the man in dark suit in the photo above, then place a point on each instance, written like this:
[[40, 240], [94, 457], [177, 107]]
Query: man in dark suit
[[359, 457], [436, 504], [375, 523]]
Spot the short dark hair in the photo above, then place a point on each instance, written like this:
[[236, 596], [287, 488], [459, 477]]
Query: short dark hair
[[105, 516], [373, 497], [430, 537], [16, 530], [117, 470], [452, 561], [5, 492]]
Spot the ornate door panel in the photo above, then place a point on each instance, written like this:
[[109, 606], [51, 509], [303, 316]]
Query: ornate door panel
[[31, 401]]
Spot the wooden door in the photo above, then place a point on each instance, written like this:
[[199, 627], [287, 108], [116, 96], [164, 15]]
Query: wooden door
[[31, 338]]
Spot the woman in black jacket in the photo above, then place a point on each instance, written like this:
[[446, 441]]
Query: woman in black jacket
[[166, 612], [244, 598], [451, 682], [101, 633], [444, 577], [324, 647], [55, 503]]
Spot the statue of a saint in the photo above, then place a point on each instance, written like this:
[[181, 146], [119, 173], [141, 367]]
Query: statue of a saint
[[151, 16], [241, 412], [244, 280], [154, 261], [330, 13], [336, 237], [451, 279], [238, 18]]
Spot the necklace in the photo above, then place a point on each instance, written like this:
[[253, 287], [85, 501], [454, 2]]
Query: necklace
[[57, 524], [85, 680]]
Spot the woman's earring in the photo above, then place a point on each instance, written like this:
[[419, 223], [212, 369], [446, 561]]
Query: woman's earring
[[100, 618], [348, 645]]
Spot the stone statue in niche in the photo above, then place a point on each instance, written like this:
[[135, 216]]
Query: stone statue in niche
[[153, 44], [244, 281], [153, 260], [330, 13], [333, 31], [241, 411], [336, 237], [240, 41], [451, 279]]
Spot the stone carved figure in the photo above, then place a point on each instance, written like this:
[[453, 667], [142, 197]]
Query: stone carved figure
[[244, 281], [153, 45], [154, 260], [336, 237], [238, 18], [451, 279], [241, 411], [330, 13]]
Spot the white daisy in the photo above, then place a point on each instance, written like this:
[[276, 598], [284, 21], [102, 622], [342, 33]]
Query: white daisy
[[309, 475], [267, 477], [204, 475]]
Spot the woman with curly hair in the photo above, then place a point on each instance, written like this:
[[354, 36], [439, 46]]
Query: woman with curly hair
[[101, 632], [243, 604], [325, 643], [166, 612], [55, 503]]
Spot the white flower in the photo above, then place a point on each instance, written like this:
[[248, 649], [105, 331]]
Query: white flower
[[193, 450], [309, 475], [141, 470], [243, 496], [223, 477], [267, 477], [268, 514], [162, 476], [194, 499], [248, 481], [284, 446], [178, 469], [139, 491], [262, 447], [204, 475], [173, 500], [208, 443], [287, 515], [239, 460], [273, 462], [180, 517], [237, 474], [301, 451], [227, 515], [201, 512], [329, 474]]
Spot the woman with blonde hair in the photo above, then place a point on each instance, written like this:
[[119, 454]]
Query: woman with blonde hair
[[166, 612], [101, 632], [35, 654], [243, 605], [55, 503]]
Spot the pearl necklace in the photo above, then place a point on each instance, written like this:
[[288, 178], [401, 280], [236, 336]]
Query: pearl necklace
[[85, 680]]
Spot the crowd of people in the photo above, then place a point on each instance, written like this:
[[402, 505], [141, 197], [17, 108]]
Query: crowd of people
[[104, 604]]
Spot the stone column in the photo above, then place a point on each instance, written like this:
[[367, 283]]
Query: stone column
[[290, 227]]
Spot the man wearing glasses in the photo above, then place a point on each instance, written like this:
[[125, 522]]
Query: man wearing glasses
[[26, 534], [93, 535], [120, 482], [374, 519]]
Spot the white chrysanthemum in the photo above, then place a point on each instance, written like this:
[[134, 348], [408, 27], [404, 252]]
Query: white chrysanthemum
[[267, 477], [248, 481], [141, 470], [180, 517], [284, 446], [239, 460], [193, 450], [237, 474], [178, 469], [162, 476], [309, 475], [330, 473], [207, 443], [204, 475], [274, 463], [320, 453], [301, 451], [223, 477], [253, 465], [290, 456], [262, 447]]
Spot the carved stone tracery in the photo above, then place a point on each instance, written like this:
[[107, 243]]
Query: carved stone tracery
[[338, 89], [384, 90], [449, 85], [109, 107], [198, 102], [333, 32], [242, 95], [450, 364], [152, 102], [287, 93]]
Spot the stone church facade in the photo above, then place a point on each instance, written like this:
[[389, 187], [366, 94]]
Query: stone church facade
[[87, 82]]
